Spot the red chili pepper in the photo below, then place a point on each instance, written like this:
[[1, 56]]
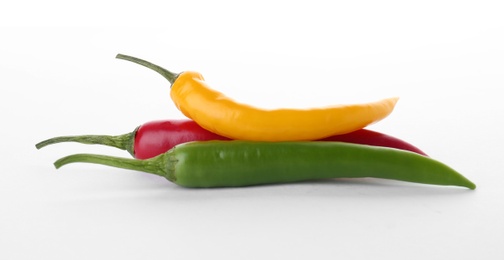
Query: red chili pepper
[[369, 137], [157, 137]]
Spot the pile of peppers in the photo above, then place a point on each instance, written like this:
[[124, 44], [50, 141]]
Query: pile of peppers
[[224, 143]]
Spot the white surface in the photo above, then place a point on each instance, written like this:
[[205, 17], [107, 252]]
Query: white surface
[[444, 59]]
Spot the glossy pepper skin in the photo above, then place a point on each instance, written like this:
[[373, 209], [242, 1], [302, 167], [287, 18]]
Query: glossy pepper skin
[[221, 115], [244, 163], [156, 137]]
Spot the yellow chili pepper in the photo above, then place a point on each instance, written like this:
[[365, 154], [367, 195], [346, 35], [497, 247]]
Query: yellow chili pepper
[[217, 113]]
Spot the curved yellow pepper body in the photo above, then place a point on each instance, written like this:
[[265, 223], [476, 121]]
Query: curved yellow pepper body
[[219, 114]]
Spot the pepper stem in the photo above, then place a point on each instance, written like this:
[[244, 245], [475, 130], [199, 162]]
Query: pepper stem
[[156, 165], [170, 76], [123, 142]]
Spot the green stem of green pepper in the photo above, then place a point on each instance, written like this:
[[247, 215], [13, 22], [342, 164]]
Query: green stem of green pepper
[[245, 163], [157, 166]]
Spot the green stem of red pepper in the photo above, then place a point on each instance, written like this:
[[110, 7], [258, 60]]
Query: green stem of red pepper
[[123, 142]]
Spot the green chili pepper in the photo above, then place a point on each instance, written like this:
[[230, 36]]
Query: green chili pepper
[[245, 163]]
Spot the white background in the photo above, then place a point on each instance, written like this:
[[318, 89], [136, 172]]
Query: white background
[[58, 76]]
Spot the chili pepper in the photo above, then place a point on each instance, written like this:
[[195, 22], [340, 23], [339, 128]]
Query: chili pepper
[[368, 137], [156, 137], [222, 115], [244, 163], [148, 140]]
